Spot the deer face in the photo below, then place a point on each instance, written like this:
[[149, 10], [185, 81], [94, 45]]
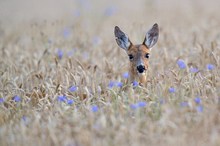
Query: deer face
[[138, 54]]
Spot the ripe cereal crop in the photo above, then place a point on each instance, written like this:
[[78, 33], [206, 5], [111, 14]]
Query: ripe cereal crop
[[64, 81]]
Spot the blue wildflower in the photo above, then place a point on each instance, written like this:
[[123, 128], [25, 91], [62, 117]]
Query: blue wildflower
[[59, 53], [70, 101], [193, 70], [73, 88], [199, 108], [85, 55], [172, 90], [111, 84], [66, 32], [162, 101], [133, 106], [197, 100], [135, 84], [119, 84], [17, 98], [125, 75], [184, 104], [70, 53], [24, 118], [61, 98], [96, 40], [1, 100], [109, 11], [85, 4], [181, 64], [141, 104], [210, 66], [94, 108], [76, 13]]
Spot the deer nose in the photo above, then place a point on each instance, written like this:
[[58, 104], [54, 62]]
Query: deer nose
[[140, 68]]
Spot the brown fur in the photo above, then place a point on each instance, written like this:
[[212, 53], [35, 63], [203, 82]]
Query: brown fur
[[138, 54], [138, 51]]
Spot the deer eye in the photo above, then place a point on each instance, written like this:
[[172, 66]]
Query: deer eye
[[130, 56], [147, 55]]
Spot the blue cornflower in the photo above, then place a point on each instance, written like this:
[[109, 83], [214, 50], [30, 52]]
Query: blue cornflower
[[125, 75], [172, 90], [2, 100], [199, 108], [111, 84], [210, 66], [24, 118], [61, 98], [85, 4], [184, 104], [85, 55], [70, 53], [119, 84], [76, 13], [17, 98], [141, 104], [133, 106], [109, 11], [66, 32], [94, 108], [73, 88], [162, 101], [70, 101], [181, 64], [59, 53], [97, 40], [135, 84], [197, 100], [193, 70]]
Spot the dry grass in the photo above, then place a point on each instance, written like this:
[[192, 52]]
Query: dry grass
[[31, 69]]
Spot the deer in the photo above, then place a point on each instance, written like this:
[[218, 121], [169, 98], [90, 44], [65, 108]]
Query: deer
[[138, 54]]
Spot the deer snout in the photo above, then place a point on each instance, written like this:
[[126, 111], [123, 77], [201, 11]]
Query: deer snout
[[140, 68]]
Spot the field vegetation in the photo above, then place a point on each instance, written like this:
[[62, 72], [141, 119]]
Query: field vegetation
[[63, 78]]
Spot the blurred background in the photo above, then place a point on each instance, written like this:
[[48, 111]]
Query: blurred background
[[86, 27], [97, 18], [13, 12], [48, 46]]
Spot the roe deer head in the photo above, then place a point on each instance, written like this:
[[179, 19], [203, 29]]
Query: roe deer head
[[138, 54]]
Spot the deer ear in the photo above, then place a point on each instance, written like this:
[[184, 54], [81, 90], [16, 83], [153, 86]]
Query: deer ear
[[122, 39], [151, 36]]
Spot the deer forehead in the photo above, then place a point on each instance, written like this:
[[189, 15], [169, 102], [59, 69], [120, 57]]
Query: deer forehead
[[138, 50]]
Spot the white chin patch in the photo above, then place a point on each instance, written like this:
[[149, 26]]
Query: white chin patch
[[142, 74]]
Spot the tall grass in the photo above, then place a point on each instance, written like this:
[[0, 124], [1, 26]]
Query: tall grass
[[64, 82]]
